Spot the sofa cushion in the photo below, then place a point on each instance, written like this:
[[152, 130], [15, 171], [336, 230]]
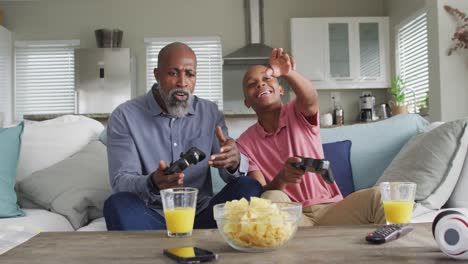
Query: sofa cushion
[[434, 161], [75, 187], [375, 144], [40, 220], [338, 153], [48, 142], [98, 224], [103, 136], [459, 197], [10, 141]]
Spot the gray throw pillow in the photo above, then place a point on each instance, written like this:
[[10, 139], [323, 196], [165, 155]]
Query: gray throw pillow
[[75, 187], [433, 160], [459, 197]]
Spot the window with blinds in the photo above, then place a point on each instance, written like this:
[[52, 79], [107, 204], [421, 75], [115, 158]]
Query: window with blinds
[[44, 77], [209, 83], [412, 60]]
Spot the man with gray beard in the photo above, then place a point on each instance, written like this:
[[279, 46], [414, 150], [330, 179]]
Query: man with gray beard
[[176, 107], [147, 133]]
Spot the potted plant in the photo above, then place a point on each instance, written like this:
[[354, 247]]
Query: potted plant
[[396, 90], [424, 105]]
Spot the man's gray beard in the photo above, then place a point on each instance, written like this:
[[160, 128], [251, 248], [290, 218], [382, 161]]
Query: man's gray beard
[[175, 107]]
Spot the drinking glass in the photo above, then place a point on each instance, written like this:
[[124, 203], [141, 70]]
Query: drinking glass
[[398, 201], [179, 206]]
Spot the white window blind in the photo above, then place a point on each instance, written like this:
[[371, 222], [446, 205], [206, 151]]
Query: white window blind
[[412, 64], [209, 83], [44, 77]]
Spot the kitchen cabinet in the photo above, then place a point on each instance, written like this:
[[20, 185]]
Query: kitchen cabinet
[[6, 77], [342, 52]]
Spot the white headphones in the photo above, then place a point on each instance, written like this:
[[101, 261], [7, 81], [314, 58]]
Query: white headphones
[[450, 230]]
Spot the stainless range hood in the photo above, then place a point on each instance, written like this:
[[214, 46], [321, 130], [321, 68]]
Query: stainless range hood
[[255, 52]]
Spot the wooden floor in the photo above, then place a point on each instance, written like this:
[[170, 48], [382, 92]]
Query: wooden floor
[[334, 244]]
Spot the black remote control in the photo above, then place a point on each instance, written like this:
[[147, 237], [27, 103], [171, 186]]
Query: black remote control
[[388, 233]]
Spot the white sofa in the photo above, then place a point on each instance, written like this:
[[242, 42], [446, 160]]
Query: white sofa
[[70, 136], [62, 177]]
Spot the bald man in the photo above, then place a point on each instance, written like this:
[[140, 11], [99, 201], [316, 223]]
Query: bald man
[[148, 133]]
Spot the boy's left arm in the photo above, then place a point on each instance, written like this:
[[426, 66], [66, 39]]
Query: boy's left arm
[[306, 94], [282, 64]]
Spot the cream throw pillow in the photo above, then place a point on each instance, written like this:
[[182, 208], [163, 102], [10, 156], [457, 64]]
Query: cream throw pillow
[[48, 142], [432, 160], [75, 187]]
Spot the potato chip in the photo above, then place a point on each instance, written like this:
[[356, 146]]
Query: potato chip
[[258, 224]]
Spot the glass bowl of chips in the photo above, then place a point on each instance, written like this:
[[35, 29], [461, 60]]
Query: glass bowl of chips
[[258, 226]]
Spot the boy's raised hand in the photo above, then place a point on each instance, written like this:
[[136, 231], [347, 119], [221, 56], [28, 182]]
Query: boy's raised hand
[[281, 63], [228, 156]]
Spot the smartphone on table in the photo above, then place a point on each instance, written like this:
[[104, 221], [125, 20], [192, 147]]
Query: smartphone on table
[[190, 254]]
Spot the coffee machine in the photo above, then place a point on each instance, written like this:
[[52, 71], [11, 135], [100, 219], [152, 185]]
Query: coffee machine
[[366, 108]]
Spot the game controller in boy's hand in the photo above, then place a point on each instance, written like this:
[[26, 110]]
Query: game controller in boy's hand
[[320, 166]]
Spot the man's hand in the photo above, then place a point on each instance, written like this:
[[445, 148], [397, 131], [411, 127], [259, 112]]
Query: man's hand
[[291, 174], [228, 156], [281, 64], [163, 181]]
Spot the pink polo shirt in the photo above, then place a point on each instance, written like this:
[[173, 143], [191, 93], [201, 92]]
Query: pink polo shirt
[[268, 153]]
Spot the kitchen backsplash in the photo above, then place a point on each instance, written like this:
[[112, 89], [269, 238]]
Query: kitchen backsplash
[[349, 101]]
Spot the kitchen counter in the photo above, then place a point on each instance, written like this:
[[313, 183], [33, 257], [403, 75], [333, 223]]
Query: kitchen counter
[[102, 117], [238, 114]]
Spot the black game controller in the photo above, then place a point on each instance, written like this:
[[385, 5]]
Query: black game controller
[[192, 156], [320, 166]]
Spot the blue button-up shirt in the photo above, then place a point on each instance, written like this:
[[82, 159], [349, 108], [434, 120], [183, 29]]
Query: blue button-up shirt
[[140, 134]]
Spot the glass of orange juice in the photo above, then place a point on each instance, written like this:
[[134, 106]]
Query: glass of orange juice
[[179, 206], [398, 201]]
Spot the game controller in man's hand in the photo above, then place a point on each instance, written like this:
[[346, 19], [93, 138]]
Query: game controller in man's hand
[[192, 156], [320, 166]]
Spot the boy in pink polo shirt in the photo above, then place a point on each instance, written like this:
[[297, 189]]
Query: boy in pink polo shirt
[[285, 131]]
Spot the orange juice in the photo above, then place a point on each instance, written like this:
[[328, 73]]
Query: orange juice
[[180, 219], [398, 212]]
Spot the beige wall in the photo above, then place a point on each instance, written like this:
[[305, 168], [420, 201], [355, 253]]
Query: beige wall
[[278, 13], [448, 75], [451, 78], [398, 12], [71, 19], [435, 106], [77, 19]]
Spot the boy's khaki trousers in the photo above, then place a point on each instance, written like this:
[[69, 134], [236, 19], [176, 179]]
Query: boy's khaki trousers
[[361, 207]]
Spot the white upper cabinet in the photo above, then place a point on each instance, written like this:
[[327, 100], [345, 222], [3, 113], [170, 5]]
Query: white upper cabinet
[[342, 52]]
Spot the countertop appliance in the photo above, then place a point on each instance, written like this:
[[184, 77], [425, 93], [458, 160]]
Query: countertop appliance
[[104, 77], [366, 108], [383, 111]]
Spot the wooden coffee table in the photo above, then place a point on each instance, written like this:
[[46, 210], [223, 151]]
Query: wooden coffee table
[[332, 244]]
